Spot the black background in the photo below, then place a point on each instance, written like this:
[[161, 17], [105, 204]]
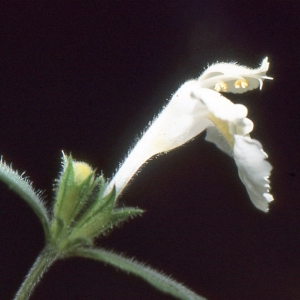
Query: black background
[[87, 78]]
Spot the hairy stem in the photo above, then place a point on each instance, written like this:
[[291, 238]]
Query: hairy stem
[[46, 258], [157, 279]]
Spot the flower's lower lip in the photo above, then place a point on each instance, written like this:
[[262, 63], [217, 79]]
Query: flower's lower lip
[[223, 127]]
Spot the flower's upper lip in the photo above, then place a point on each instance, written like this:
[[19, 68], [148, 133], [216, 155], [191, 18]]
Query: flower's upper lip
[[230, 73], [235, 70], [254, 82]]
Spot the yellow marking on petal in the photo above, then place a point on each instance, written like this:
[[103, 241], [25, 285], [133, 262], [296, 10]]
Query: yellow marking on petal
[[221, 86], [81, 171], [223, 127], [241, 83]]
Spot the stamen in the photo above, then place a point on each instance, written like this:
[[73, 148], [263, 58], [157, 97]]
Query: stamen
[[221, 86], [241, 83]]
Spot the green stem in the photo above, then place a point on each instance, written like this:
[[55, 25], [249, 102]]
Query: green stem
[[157, 279], [46, 258]]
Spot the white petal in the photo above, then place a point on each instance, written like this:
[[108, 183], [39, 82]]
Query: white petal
[[232, 75], [213, 135], [220, 106], [254, 170], [241, 126], [180, 121]]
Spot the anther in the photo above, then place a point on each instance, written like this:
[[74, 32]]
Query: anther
[[221, 86], [241, 83]]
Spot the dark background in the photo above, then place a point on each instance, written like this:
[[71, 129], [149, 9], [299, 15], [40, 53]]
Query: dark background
[[87, 78]]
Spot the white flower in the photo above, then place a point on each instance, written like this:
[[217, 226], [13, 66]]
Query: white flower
[[198, 105]]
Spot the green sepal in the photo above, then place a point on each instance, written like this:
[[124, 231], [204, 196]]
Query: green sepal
[[99, 205], [103, 222], [102, 217], [90, 201], [65, 183], [71, 196], [23, 187], [117, 216], [85, 190], [124, 213], [57, 228]]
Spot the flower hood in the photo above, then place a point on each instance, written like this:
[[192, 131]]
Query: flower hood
[[230, 77]]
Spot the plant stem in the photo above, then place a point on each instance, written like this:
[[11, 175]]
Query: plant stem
[[157, 279], [46, 258]]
